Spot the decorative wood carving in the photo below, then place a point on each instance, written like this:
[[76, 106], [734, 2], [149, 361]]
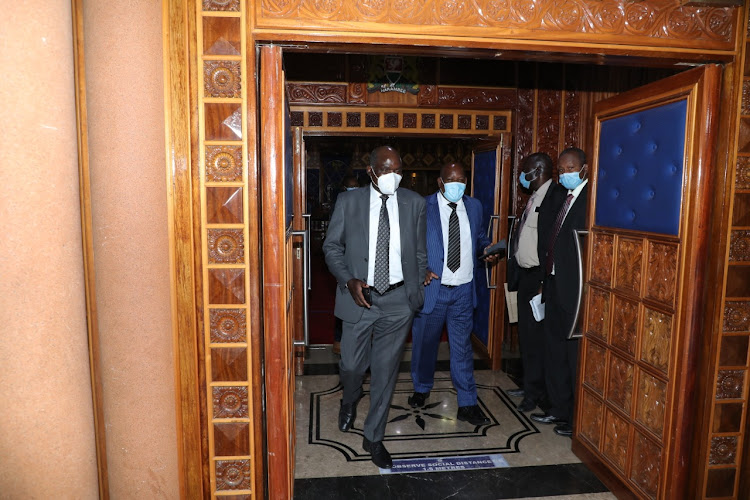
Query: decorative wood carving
[[572, 119], [591, 419], [390, 120], [224, 205], [616, 434], [596, 362], [333, 119], [354, 119], [739, 250], [729, 384], [662, 272], [624, 324], [602, 257], [428, 95], [656, 339], [223, 122], [410, 120], [549, 105], [620, 388], [428, 120], [372, 120], [316, 93], [524, 137], [298, 119], [662, 20], [357, 93], [230, 402], [742, 179], [231, 439], [226, 286], [477, 98], [228, 325], [723, 450], [221, 5], [232, 475], [483, 122], [745, 98], [598, 323], [222, 79], [650, 402], [499, 123], [226, 246], [464, 122], [736, 316], [223, 163], [315, 119], [446, 121], [646, 464], [628, 269]]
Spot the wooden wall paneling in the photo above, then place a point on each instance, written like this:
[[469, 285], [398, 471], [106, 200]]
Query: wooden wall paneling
[[231, 409], [661, 26], [185, 276]]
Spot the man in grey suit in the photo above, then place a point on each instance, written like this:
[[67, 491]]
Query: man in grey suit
[[376, 249]]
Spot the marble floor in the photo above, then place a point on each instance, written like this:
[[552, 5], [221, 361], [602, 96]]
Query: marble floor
[[435, 455]]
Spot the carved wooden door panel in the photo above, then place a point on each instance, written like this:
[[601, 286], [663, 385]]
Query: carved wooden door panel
[[648, 224], [279, 251], [490, 184]]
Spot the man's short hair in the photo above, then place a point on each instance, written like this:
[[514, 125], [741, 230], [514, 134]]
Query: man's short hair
[[575, 151]]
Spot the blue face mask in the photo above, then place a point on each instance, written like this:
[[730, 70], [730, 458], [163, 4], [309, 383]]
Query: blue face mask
[[570, 180], [351, 188], [526, 183], [454, 191]]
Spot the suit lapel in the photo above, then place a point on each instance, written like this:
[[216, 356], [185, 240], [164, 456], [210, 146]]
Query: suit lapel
[[364, 217]]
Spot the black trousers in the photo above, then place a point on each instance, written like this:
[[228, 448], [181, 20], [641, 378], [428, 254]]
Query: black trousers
[[531, 335], [560, 356]]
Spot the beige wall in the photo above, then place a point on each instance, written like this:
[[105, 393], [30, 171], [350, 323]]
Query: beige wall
[[46, 417], [124, 76]]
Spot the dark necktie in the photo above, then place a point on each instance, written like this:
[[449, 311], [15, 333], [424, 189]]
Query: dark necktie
[[525, 215], [454, 240], [555, 231], [382, 278]]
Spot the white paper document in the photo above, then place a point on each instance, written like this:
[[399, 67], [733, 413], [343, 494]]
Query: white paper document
[[537, 307]]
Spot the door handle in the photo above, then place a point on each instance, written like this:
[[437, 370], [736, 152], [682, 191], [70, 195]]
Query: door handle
[[489, 236], [307, 228], [512, 226], [572, 334], [305, 285]]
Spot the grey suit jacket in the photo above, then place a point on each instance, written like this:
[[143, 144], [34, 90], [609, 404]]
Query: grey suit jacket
[[346, 246]]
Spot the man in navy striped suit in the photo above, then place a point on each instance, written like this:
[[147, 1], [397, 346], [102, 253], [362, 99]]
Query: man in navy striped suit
[[455, 240]]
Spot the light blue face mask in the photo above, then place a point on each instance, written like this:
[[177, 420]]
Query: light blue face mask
[[454, 191], [570, 180], [351, 188], [526, 183]]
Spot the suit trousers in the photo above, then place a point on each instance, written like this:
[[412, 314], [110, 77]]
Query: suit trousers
[[455, 309], [376, 341], [560, 356], [531, 335]]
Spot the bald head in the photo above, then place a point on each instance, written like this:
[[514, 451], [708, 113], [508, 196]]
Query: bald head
[[385, 158], [452, 171]]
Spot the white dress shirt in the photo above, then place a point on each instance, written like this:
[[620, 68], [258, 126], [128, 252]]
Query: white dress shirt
[[527, 255], [394, 255], [465, 273]]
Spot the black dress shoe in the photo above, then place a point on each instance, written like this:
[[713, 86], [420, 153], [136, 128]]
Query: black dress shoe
[[417, 399], [546, 418], [564, 430], [380, 455], [473, 415], [516, 393], [526, 405], [347, 416]]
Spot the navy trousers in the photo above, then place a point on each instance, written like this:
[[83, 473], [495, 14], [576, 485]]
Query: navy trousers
[[454, 309]]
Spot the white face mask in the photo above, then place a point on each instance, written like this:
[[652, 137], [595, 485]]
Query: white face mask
[[388, 183]]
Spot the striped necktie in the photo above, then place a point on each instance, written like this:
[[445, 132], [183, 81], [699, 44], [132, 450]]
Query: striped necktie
[[454, 240]]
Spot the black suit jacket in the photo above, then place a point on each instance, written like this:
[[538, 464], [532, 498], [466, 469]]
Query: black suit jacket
[[566, 259], [547, 210]]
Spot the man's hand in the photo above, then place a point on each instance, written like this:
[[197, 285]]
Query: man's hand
[[492, 259], [355, 287], [430, 276]]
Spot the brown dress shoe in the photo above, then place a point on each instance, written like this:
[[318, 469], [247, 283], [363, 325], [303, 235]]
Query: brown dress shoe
[[337, 348]]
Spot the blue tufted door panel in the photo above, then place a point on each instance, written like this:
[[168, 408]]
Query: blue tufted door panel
[[640, 167], [484, 186]]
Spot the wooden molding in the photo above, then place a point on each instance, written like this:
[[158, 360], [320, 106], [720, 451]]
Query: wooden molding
[[89, 274]]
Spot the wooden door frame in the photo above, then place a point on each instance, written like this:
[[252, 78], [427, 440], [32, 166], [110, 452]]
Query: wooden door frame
[[181, 84]]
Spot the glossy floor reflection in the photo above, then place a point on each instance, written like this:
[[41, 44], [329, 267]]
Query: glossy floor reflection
[[533, 461]]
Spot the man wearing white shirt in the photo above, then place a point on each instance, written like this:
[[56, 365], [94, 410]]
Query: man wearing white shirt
[[561, 292], [455, 240], [526, 261]]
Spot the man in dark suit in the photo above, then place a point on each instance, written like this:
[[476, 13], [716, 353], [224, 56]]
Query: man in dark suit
[[526, 260], [375, 247], [455, 240], [561, 293]]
